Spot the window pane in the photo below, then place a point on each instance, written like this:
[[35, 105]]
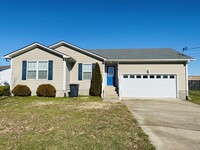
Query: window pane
[[125, 76], [171, 76], [42, 74], [31, 74], [138, 76], [87, 75], [145, 76], [158, 76], [165, 76], [151, 76], [87, 68], [32, 65], [111, 71], [132, 76], [87, 71], [42, 65]]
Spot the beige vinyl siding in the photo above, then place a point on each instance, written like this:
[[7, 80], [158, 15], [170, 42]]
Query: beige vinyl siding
[[68, 68], [178, 69], [84, 85], [38, 54]]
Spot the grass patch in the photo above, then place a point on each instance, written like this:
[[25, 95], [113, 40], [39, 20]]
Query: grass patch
[[194, 96], [68, 123]]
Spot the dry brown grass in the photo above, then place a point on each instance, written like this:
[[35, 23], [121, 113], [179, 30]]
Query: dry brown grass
[[58, 123]]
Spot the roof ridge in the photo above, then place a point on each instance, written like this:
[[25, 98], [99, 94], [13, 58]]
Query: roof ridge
[[142, 53], [131, 49]]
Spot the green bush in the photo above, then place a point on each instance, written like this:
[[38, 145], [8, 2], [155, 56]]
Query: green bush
[[21, 90], [4, 91], [46, 90], [96, 81]]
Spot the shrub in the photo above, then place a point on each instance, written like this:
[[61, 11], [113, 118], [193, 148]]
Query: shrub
[[46, 90], [21, 90], [96, 81], [4, 91]]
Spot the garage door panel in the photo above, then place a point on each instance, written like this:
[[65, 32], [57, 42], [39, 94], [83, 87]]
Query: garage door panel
[[148, 87]]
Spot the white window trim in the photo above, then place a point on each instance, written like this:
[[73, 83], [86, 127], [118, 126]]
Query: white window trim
[[30, 69], [37, 69], [42, 70], [83, 71]]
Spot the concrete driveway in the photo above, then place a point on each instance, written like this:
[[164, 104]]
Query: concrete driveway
[[170, 124]]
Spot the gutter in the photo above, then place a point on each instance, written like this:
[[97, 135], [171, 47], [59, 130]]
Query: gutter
[[186, 80], [148, 60]]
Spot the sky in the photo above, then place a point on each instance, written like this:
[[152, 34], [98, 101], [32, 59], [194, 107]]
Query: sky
[[93, 24]]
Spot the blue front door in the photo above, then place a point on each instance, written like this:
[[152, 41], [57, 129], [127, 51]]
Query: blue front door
[[110, 75]]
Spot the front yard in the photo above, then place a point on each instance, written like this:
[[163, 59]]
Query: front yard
[[194, 96], [68, 123]]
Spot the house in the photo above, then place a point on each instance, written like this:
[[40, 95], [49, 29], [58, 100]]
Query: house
[[5, 75], [126, 73]]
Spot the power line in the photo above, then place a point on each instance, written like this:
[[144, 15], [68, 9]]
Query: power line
[[195, 55], [186, 48]]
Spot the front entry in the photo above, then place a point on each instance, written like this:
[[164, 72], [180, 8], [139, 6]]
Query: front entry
[[111, 75]]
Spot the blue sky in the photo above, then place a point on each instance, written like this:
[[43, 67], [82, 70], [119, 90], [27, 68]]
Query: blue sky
[[102, 24]]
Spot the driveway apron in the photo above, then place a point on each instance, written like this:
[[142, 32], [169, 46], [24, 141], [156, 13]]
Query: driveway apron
[[171, 124]]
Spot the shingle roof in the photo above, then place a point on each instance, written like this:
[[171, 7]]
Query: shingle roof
[[32, 46], [4, 68], [143, 53]]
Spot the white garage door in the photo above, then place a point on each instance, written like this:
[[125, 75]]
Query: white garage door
[[148, 86]]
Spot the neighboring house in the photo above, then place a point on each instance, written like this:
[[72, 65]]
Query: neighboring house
[[5, 75], [136, 73]]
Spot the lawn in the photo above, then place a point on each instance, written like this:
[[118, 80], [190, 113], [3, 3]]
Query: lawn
[[194, 96], [68, 123]]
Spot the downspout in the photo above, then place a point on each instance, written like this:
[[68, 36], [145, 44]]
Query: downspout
[[64, 77], [11, 70], [103, 79], [186, 79], [119, 82]]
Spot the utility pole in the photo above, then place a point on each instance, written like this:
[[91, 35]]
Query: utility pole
[[186, 69]]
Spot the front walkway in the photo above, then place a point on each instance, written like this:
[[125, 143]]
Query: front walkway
[[170, 124]]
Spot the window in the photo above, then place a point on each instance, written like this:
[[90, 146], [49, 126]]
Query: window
[[132, 76], [151, 76], [145, 76], [125, 76], [158, 76], [171, 76], [37, 69], [32, 70], [165, 76], [87, 71], [138, 76], [42, 69]]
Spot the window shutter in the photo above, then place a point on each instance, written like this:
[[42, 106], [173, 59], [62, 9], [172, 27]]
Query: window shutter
[[80, 71], [93, 65], [50, 70], [24, 64]]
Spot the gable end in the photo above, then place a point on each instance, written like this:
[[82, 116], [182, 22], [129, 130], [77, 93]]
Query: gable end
[[32, 47], [78, 49]]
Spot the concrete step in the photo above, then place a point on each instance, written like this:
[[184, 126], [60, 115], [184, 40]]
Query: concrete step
[[110, 92], [111, 95], [109, 88]]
